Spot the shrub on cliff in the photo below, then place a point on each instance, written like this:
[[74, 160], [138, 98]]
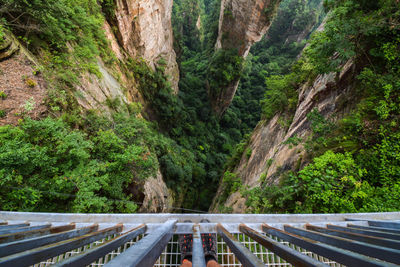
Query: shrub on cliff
[[225, 67], [333, 183], [46, 166]]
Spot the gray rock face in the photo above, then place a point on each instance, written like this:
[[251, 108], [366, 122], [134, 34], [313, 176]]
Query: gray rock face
[[157, 196], [141, 29], [328, 93], [144, 30], [241, 24]]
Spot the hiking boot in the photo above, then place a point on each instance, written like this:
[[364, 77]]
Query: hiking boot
[[209, 244], [186, 245]]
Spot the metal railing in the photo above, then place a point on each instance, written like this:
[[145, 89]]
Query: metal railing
[[44, 239]]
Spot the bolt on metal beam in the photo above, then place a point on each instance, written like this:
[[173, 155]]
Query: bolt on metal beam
[[33, 256], [288, 254], [245, 256], [94, 254], [147, 250], [386, 254]]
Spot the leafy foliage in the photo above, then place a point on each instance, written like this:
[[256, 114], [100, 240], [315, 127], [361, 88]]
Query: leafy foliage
[[281, 95], [355, 165], [69, 37], [194, 126], [225, 67], [231, 183], [333, 183], [2, 34], [273, 58], [46, 166]]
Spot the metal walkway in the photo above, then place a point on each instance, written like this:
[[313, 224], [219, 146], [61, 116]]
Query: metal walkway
[[44, 239]]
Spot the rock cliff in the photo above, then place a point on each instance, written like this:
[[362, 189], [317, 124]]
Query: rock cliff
[[241, 24], [143, 29], [330, 94], [140, 29]]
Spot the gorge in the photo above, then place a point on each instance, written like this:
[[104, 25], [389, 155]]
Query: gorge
[[210, 105]]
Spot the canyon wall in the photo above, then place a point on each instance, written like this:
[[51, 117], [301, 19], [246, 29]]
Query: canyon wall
[[143, 29], [330, 94], [140, 29], [241, 24]]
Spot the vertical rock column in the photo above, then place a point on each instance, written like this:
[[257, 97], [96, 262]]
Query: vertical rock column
[[143, 28], [241, 24]]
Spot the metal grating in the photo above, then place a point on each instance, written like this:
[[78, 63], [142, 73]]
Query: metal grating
[[307, 240], [171, 256]]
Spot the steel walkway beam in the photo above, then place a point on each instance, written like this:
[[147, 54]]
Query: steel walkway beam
[[386, 254], [376, 223], [245, 256], [33, 256], [364, 232], [24, 229], [145, 252], [198, 259], [378, 241], [288, 254], [35, 233], [94, 254], [384, 224], [339, 255], [380, 229], [12, 226], [27, 244]]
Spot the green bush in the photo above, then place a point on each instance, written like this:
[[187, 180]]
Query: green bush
[[280, 95], [68, 36], [231, 183], [2, 34], [333, 183], [225, 67], [46, 166]]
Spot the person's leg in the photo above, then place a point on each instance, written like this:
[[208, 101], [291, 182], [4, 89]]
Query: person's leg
[[185, 247], [210, 247], [186, 263], [213, 263]]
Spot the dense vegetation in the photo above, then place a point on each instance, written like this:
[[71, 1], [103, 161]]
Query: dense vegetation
[[267, 85], [273, 57], [46, 165], [356, 164], [70, 37], [196, 128], [83, 162]]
